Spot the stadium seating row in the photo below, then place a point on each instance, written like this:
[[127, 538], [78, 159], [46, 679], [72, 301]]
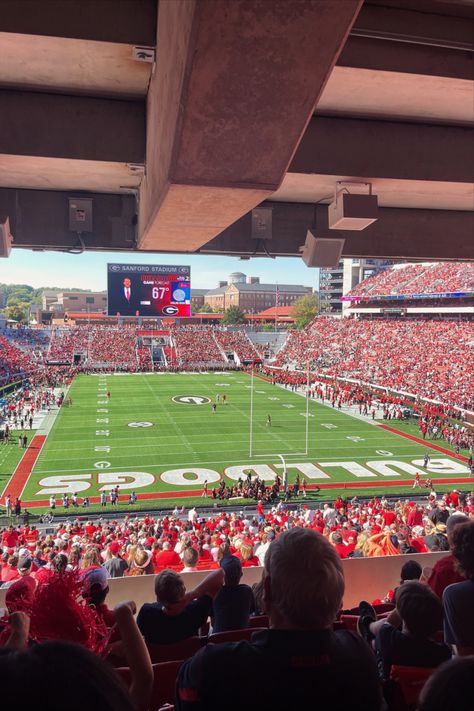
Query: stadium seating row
[[442, 277]]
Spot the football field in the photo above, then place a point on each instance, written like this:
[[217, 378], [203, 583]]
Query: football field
[[157, 435]]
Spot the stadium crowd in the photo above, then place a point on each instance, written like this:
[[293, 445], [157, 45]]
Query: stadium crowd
[[57, 587], [145, 362], [442, 277], [99, 345], [430, 359], [13, 361], [113, 345], [66, 341], [355, 528], [196, 346], [239, 343], [35, 339]]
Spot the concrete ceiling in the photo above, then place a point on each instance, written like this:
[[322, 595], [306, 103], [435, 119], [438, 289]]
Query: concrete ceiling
[[223, 120]]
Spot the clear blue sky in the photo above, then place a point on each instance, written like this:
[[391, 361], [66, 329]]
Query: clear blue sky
[[88, 270]]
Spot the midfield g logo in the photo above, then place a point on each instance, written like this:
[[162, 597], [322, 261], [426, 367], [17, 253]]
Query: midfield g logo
[[191, 400]]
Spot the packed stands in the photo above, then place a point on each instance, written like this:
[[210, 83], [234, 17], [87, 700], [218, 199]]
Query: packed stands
[[196, 347], [29, 339], [432, 359], [70, 569], [357, 521], [67, 341], [145, 362], [114, 346], [429, 358], [98, 345], [407, 279], [13, 361], [239, 343]]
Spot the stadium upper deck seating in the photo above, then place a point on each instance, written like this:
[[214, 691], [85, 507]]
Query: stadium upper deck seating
[[429, 358], [13, 360], [196, 346], [442, 277], [238, 342]]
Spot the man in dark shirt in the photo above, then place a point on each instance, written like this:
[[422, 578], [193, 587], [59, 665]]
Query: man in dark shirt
[[299, 662], [177, 614], [440, 514], [234, 602], [115, 566], [458, 598], [404, 637]]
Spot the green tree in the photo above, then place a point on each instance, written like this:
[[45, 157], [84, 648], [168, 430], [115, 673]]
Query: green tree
[[16, 310], [233, 315], [305, 309], [205, 309], [18, 296]]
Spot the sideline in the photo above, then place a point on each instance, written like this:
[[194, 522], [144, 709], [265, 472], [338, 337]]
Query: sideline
[[194, 493], [19, 479], [20, 476], [424, 442]]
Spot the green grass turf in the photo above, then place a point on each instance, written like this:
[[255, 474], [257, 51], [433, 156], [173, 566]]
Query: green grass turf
[[186, 436]]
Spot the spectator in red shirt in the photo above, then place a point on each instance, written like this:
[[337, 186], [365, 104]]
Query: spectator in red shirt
[[337, 541], [248, 558], [166, 558], [45, 572], [388, 516], [20, 593], [444, 571], [415, 517], [10, 570], [10, 537]]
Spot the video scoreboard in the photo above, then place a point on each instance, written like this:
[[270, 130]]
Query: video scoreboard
[[148, 290]]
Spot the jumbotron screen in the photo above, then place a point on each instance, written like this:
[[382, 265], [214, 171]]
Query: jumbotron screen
[[148, 290]]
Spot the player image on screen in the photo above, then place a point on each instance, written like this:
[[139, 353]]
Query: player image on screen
[[148, 290]]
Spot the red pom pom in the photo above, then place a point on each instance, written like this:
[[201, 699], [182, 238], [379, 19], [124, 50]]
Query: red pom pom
[[59, 611]]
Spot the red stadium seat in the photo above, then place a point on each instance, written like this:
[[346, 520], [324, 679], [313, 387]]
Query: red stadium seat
[[171, 652], [207, 565], [164, 683], [259, 621], [410, 681], [349, 622]]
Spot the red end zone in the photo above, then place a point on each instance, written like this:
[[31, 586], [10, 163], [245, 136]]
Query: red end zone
[[20, 476]]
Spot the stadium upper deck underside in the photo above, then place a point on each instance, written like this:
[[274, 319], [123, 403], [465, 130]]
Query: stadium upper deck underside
[[247, 102]]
